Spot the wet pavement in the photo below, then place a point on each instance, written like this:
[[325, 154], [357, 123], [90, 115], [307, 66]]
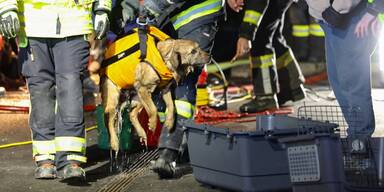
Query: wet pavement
[[17, 167]]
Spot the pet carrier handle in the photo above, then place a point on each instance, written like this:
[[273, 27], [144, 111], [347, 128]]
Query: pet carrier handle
[[296, 138]]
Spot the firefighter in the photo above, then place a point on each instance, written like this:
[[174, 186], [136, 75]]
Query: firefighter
[[55, 51], [276, 75], [193, 20], [308, 37]]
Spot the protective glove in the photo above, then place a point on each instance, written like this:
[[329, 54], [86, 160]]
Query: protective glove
[[101, 24], [130, 9], [152, 7], [9, 24], [334, 18]]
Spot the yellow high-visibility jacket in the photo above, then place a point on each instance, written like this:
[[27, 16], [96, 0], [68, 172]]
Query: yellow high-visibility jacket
[[122, 57], [54, 18]]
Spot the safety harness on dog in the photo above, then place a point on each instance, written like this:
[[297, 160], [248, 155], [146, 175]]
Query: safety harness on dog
[[123, 55]]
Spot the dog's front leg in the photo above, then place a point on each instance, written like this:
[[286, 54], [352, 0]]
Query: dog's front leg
[[145, 98], [136, 107], [169, 118]]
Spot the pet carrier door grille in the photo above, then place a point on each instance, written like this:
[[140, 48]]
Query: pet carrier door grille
[[303, 163]]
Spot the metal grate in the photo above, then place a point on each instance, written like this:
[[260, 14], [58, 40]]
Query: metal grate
[[138, 168], [303, 163]]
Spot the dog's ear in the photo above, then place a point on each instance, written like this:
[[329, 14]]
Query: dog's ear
[[170, 56], [165, 47]]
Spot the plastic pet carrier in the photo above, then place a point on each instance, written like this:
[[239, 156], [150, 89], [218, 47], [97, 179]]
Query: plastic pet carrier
[[245, 161], [334, 162]]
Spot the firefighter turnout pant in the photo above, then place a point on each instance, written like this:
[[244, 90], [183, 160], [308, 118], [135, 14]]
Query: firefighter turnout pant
[[274, 67], [185, 91], [308, 37], [54, 68]]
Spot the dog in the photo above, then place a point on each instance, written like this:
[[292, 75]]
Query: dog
[[180, 57]]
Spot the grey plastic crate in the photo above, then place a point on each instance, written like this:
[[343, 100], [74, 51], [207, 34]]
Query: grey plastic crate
[[245, 161]]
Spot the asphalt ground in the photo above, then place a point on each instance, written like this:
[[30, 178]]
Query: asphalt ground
[[17, 167]]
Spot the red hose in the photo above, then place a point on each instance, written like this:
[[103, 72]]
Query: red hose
[[211, 116], [87, 108]]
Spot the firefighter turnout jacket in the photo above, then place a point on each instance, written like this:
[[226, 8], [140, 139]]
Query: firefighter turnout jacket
[[54, 18]]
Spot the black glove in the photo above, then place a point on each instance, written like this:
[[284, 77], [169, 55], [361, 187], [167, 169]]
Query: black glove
[[9, 24], [334, 18]]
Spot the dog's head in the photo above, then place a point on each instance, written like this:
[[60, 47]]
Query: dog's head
[[181, 56]]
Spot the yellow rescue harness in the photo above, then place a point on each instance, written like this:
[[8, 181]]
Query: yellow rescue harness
[[123, 55]]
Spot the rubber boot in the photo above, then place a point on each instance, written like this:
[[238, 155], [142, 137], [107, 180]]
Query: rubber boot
[[293, 95], [260, 103], [45, 171]]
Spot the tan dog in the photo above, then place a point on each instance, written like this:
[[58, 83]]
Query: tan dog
[[180, 56]]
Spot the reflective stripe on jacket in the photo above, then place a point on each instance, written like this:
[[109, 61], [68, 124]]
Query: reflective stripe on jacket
[[205, 8]]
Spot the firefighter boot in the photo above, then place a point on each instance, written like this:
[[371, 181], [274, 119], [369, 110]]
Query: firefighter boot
[[165, 165], [45, 171], [260, 103], [293, 95], [73, 171]]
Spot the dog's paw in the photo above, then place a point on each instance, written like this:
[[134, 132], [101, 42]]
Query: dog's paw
[[152, 125], [168, 125], [143, 140]]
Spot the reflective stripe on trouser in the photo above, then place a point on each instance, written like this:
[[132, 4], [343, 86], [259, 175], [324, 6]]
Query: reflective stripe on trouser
[[186, 89], [264, 74], [43, 150], [298, 15], [350, 77], [56, 79], [300, 30], [316, 41], [315, 30]]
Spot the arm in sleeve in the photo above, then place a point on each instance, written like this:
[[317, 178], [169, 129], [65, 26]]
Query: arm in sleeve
[[253, 13]]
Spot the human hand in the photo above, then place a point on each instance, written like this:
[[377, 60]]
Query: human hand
[[236, 5], [9, 24], [101, 24], [130, 8], [243, 47], [363, 26]]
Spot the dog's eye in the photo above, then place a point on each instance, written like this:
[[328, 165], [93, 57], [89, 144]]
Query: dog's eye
[[193, 51]]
